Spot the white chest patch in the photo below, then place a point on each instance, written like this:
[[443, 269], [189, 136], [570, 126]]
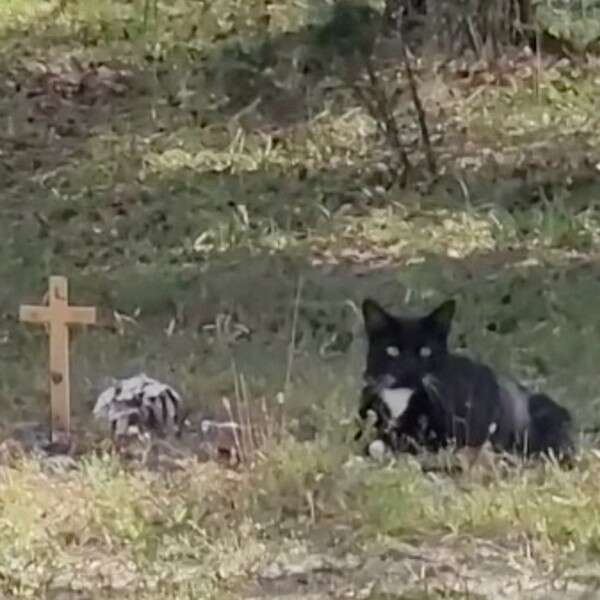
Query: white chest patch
[[397, 400]]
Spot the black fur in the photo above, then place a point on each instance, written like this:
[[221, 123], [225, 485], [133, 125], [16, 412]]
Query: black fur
[[549, 429], [454, 399]]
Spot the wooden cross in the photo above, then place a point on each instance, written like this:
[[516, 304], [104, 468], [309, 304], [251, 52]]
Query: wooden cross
[[57, 316]]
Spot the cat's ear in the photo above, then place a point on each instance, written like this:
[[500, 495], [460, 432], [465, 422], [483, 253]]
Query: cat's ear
[[376, 318], [441, 317]]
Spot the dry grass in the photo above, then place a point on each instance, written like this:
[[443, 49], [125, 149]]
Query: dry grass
[[118, 531], [203, 530]]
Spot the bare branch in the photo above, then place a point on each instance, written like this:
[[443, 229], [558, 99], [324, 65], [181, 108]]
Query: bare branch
[[421, 116]]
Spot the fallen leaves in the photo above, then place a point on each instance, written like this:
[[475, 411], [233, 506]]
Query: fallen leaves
[[77, 82]]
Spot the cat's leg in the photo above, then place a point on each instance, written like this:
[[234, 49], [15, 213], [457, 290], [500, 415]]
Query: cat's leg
[[419, 427]]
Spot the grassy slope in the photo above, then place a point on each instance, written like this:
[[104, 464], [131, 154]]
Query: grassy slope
[[165, 203]]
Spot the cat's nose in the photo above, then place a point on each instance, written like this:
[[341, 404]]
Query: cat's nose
[[382, 382], [369, 379], [387, 381]]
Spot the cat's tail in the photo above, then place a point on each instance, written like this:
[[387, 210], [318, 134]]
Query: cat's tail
[[550, 427]]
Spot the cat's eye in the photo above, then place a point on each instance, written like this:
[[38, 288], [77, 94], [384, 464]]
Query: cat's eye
[[425, 352], [392, 351]]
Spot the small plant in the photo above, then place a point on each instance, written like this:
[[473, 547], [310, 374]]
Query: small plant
[[150, 12], [352, 35]]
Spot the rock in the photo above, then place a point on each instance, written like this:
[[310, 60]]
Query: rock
[[310, 563], [139, 403], [33, 437], [59, 464], [377, 450], [300, 596]]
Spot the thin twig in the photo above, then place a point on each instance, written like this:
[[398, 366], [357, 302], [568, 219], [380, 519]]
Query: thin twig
[[538, 62], [267, 430], [236, 438], [250, 442], [420, 110], [385, 115], [292, 344], [242, 413], [473, 37]]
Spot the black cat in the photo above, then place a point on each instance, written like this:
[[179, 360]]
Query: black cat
[[422, 395]]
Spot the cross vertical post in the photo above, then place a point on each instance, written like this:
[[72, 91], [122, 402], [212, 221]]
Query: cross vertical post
[[57, 317]]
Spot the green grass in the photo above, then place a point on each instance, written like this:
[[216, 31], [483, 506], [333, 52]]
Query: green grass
[[118, 531], [202, 177], [202, 530]]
